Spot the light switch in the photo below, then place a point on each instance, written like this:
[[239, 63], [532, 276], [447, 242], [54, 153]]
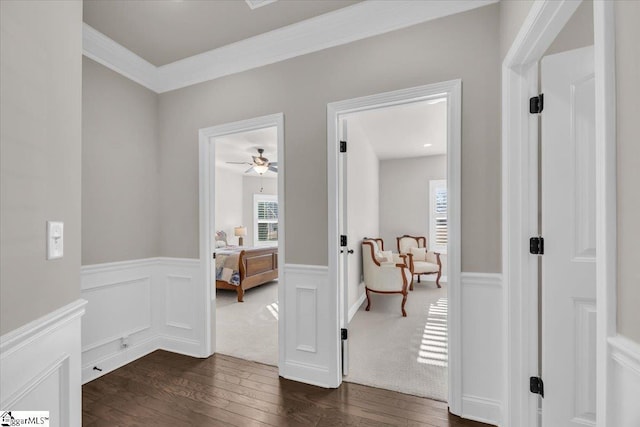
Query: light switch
[[55, 239]]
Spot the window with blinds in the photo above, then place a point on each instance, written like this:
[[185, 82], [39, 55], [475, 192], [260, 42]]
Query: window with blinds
[[438, 222], [265, 219]]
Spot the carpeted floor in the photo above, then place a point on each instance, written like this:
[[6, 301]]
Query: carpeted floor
[[248, 330], [405, 354]]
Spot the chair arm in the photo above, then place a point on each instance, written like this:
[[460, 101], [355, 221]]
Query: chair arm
[[410, 263], [434, 258]]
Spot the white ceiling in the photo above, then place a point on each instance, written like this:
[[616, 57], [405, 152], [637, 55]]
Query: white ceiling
[[164, 31], [240, 147], [402, 131]]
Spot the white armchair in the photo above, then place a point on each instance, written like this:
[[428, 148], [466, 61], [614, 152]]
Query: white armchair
[[384, 272], [420, 260]]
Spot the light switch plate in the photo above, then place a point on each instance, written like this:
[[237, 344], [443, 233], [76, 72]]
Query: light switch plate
[[55, 239]]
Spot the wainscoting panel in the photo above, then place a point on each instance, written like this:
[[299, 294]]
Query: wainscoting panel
[[482, 347], [136, 307], [624, 371], [309, 335], [40, 364]]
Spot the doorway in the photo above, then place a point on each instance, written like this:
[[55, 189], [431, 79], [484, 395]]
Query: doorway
[[338, 221], [520, 202], [243, 163], [390, 191]]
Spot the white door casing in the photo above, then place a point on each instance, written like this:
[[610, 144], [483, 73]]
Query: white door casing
[[207, 224], [453, 91], [344, 259], [569, 230]]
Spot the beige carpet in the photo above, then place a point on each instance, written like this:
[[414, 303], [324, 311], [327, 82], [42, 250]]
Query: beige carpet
[[405, 354], [248, 330]]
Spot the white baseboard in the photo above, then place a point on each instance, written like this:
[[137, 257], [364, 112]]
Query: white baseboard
[[151, 303], [476, 408], [624, 364], [356, 306], [40, 366]]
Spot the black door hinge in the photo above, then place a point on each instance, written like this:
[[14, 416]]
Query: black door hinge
[[536, 386], [214, 255], [536, 104], [343, 333], [536, 246], [343, 240], [343, 146]]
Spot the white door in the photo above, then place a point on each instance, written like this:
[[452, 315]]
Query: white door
[[568, 228], [343, 225]]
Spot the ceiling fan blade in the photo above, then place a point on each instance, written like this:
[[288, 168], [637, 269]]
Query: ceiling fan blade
[[273, 168], [273, 164], [239, 163], [249, 170]]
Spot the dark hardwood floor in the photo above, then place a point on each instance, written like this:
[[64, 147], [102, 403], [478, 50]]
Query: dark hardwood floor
[[167, 389]]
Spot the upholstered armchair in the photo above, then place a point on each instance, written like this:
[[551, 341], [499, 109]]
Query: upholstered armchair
[[384, 272], [420, 260]]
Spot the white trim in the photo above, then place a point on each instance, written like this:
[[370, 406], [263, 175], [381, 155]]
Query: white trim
[[254, 4], [606, 203], [40, 365], [625, 352], [356, 305], [342, 26], [207, 216], [453, 91], [493, 280], [118, 58], [480, 409], [24, 335], [519, 199]]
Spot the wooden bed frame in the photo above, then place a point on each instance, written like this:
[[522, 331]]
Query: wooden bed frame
[[257, 266]]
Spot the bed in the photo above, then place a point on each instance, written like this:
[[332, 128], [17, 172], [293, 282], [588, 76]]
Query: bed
[[242, 268]]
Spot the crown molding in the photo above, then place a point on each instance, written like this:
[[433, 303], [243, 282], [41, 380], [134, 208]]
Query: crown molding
[[342, 26], [107, 52]]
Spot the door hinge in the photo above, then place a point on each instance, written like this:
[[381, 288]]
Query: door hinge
[[536, 386], [343, 333], [536, 246], [343, 240], [343, 146], [214, 255], [536, 104]]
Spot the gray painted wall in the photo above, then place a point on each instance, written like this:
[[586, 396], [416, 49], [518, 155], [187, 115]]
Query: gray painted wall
[[120, 168], [577, 33], [463, 46], [512, 16], [628, 131], [40, 112], [363, 171], [404, 197], [229, 203]]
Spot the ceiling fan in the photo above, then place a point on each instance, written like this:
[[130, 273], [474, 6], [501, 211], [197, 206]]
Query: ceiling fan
[[260, 164]]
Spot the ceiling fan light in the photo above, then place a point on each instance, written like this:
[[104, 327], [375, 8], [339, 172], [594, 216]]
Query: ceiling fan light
[[261, 168]]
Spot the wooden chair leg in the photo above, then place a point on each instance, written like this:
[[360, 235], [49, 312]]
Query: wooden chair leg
[[418, 278], [368, 300], [411, 284], [404, 301], [240, 292], [438, 278]]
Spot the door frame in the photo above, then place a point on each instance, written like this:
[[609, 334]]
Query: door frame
[[453, 91], [206, 147], [520, 201]]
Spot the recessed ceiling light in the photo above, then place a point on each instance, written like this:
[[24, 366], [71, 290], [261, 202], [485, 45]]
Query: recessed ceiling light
[[427, 145]]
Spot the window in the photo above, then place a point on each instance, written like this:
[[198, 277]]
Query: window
[[265, 219], [438, 223]]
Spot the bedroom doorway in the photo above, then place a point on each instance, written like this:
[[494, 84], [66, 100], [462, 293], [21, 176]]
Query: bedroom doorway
[[242, 236], [433, 337]]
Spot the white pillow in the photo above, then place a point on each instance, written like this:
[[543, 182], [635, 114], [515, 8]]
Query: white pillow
[[220, 243], [385, 256], [419, 254]]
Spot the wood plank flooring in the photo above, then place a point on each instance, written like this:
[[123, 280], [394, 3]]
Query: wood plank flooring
[[167, 389]]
